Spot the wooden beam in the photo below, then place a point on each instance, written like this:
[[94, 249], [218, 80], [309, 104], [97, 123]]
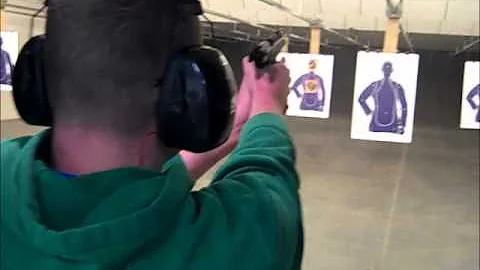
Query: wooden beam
[[3, 20], [392, 33], [285, 48], [315, 37]]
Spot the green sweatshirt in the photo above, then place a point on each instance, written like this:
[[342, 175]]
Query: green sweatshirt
[[249, 218]]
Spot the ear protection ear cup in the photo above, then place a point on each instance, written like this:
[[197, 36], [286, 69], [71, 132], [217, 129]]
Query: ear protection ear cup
[[195, 110], [28, 81], [191, 7]]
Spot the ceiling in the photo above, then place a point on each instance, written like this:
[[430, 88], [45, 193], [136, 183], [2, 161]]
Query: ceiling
[[445, 17], [444, 25]]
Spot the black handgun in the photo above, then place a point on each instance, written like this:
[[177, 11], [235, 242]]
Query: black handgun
[[266, 52]]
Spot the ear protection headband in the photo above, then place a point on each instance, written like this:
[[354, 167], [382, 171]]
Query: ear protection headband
[[194, 111]]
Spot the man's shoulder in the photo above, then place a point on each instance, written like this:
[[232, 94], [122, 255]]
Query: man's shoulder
[[13, 145], [374, 84], [396, 84], [12, 150]]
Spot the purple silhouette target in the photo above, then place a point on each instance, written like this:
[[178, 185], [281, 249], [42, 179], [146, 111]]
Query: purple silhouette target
[[470, 117], [384, 97], [311, 85], [8, 57]]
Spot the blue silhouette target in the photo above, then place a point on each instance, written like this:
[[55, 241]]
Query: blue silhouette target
[[311, 86], [8, 56], [384, 98], [470, 115]]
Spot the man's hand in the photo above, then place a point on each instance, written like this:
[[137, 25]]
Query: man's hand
[[244, 99], [270, 90], [261, 91]]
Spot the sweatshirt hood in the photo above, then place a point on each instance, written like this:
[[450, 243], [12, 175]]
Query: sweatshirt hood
[[102, 218]]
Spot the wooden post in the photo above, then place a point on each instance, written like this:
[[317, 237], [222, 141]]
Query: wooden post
[[392, 33], [3, 20], [315, 37], [285, 48]]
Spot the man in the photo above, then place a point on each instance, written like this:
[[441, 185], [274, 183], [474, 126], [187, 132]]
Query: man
[[390, 113], [475, 93], [78, 197], [6, 66], [313, 98]]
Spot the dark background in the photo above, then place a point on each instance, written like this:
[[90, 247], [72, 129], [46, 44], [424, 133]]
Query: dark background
[[440, 81]]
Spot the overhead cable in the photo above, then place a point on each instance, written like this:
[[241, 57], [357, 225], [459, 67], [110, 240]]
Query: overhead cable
[[34, 16], [407, 38], [258, 26], [312, 22], [466, 47], [23, 10]]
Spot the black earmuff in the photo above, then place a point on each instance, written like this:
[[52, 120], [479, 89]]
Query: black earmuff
[[191, 7], [195, 107], [29, 86]]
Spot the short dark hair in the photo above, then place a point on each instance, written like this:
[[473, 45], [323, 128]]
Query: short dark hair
[[104, 57]]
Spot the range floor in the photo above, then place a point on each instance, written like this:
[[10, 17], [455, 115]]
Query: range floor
[[382, 206]]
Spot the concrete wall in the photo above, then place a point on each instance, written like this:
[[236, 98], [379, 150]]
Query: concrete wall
[[21, 25]]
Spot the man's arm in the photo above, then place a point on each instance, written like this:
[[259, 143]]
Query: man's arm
[[258, 185], [198, 164], [9, 60], [475, 92], [403, 103], [297, 83], [254, 195], [322, 89], [367, 93], [261, 172]]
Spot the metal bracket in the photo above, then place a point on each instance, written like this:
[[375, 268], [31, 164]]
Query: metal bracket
[[407, 38], [394, 11], [466, 47], [316, 23]]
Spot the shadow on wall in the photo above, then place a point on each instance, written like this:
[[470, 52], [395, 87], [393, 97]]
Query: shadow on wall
[[439, 83]]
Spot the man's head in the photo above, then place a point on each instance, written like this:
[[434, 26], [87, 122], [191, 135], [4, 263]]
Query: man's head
[[387, 69], [104, 59], [312, 65]]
